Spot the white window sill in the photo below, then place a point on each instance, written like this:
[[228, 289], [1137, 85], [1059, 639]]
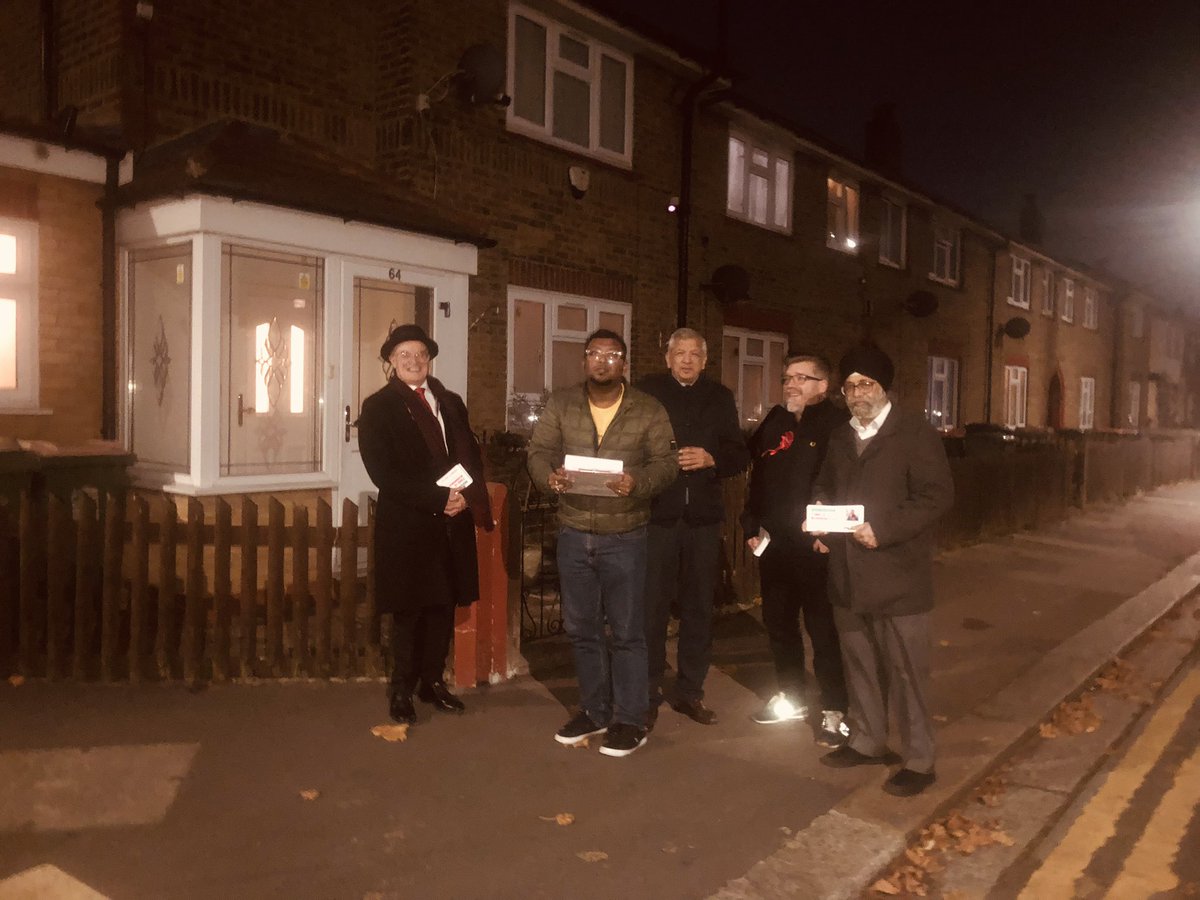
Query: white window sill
[[249, 486], [841, 247], [1017, 303], [891, 265], [25, 411], [949, 282], [535, 132], [738, 217]]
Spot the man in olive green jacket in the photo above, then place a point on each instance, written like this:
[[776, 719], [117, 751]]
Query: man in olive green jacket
[[602, 536]]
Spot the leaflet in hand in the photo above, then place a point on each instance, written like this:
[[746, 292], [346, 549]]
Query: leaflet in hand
[[590, 474], [456, 479], [821, 519], [763, 540]]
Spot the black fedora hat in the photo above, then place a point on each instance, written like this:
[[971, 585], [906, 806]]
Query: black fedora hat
[[402, 333]]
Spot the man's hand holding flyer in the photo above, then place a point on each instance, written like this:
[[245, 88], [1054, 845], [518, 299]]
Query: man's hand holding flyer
[[821, 519]]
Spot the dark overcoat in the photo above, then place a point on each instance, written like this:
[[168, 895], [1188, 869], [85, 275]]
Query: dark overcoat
[[421, 555], [903, 481]]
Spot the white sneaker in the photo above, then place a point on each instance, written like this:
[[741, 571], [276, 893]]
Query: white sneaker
[[833, 731], [781, 708]]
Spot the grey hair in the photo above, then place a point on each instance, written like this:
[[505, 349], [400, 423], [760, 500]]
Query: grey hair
[[687, 334]]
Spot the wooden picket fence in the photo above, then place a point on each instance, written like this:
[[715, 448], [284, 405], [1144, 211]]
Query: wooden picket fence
[[116, 586]]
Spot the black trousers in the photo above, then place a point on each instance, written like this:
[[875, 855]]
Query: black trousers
[[681, 563], [794, 581], [420, 644]]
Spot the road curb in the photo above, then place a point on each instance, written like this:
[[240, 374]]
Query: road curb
[[842, 851]]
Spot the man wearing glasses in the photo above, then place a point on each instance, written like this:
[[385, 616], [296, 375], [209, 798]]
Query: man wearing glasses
[[787, 450], [881, 574], [602, 536]]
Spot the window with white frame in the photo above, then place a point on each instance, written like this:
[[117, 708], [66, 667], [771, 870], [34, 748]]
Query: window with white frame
[[568, 88], [941, 397], [1018, 293], [1134, 414], [842, 215], [1137, 322], [893, 232], [1047, 294], [1091, 315], [1087, 402], [18, 315], [546, 335], [1067, 305], [1016, 382], [946, 251], [752, 367], [760, 183]]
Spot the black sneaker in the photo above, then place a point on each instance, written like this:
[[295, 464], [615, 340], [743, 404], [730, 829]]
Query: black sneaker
[[622, 739], [578, 730]]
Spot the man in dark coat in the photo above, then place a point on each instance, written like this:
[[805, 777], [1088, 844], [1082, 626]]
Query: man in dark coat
[[881, 574], [787, 450], [412, 432], [684, 538]]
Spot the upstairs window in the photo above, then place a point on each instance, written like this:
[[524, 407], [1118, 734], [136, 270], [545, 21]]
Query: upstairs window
[[1047, 295], [18, 315], [893, 236], [760, 184], [1018, 294], [1091, 315], [946, 251], [1067, 306], [842, 216], [569, 89]]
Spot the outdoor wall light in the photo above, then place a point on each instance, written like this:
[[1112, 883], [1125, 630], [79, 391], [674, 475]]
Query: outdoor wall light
[[673, 205]]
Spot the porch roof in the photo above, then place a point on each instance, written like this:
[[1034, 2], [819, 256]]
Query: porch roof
[[242, 161]]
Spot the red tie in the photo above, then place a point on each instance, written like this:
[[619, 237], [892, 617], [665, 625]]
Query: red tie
[[421, 394]]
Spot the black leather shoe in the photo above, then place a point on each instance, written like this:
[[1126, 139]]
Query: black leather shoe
[[695, 710], [845, 757], [907, 783], [439, 695], [401, 709]]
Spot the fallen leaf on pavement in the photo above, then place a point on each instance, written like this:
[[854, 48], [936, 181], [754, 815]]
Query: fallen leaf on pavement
[[16, 680], [785, 830], [670, 848], [1047, 730], [939, 718], [393, 733], [943, 643], [579, 745], [561, 818], [592, 855], [310, 794], [884, 886]]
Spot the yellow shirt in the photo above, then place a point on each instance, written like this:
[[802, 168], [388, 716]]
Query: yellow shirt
[[602, 416]]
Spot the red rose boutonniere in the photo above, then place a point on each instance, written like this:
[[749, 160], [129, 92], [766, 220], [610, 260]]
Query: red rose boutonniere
[[784, 443]]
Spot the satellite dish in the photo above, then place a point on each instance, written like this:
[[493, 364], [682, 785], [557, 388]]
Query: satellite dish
[[730, 284], [1016, 327], [481, 73], [921, 304]]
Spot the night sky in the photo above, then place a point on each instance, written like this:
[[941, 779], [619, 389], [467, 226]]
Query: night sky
[[1092, 106]]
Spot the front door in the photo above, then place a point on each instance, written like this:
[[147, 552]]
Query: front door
[[377, 299]]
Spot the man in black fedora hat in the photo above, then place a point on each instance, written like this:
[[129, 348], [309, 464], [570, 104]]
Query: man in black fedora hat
[[411, 432]]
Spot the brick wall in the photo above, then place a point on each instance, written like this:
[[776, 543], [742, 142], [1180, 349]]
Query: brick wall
[[68, 310], [20, 60]]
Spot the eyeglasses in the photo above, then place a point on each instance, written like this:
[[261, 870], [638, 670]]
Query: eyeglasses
[[866, 386], [801, 378], [606, 355], [419, 356]]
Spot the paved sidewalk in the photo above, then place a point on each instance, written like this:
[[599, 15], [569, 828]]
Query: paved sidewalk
[[159, 792]]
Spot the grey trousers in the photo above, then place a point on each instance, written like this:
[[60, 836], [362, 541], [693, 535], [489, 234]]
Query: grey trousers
[[886, 659]]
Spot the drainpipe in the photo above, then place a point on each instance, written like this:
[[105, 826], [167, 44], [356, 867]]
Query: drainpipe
[[49, 66], [1114, 393], [684, 213], [990, 351], [108, 301]]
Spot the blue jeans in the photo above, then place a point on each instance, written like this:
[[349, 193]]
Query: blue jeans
[[603, 579]]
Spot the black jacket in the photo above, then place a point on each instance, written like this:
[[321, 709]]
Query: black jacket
[[702, 415], [782, 477]]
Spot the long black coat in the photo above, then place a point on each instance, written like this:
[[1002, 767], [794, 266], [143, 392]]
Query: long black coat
[[421, 556]]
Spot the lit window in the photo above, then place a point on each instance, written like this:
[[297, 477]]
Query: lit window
[[893, 237], [18, 315], [545, 344], [842, 216], [1091, 315], [760, 184], [941, 396], [1087, 402], [946, 248], [1047, 295], [752, 367], [568, 88], [1068, 300], [1016, 380], [1018, 294]]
